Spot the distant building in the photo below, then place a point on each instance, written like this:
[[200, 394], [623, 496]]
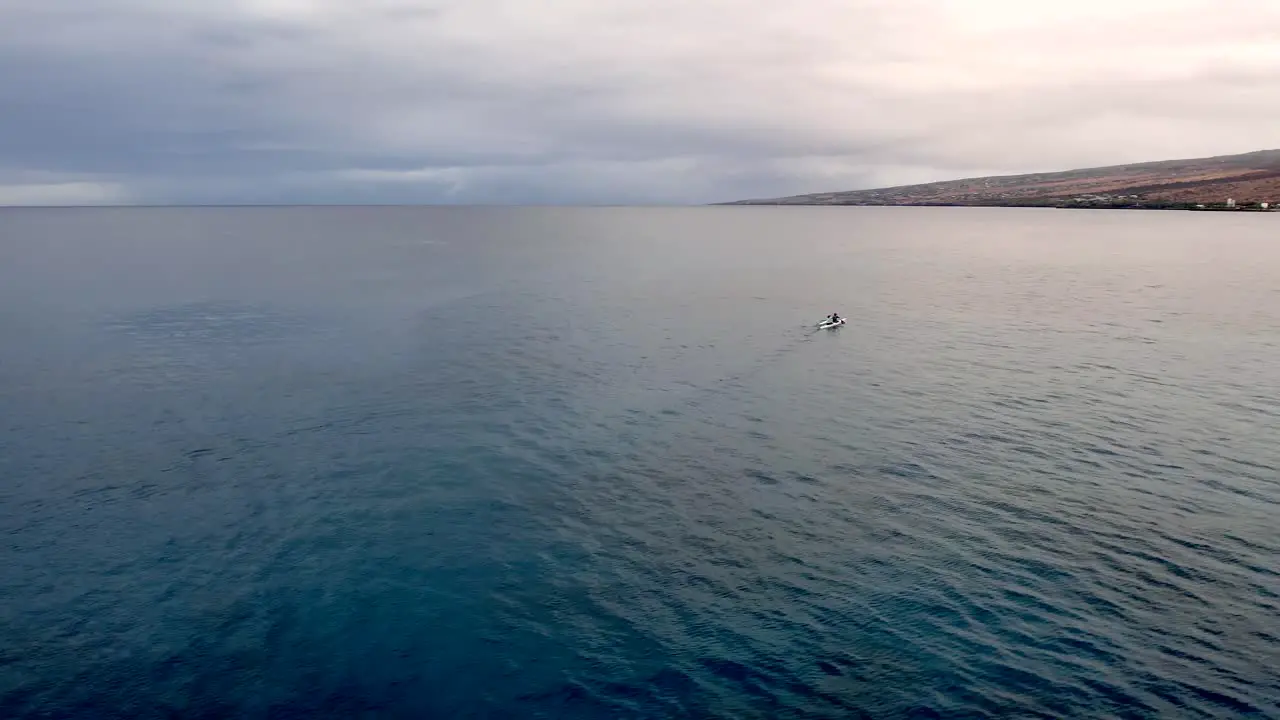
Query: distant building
[[1265, 205], [1231, 203]]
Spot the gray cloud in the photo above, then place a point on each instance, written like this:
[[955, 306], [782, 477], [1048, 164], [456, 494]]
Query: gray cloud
[[617, 101]]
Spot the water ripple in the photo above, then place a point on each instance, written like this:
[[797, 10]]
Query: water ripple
[[1034, 479]]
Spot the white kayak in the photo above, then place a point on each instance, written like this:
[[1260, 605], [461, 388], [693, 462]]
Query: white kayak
[[827, 324]]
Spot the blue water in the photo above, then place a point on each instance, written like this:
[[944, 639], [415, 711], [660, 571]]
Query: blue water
[[597, 463]]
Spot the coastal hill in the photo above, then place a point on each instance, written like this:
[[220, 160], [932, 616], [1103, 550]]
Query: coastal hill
[[1249, 180]]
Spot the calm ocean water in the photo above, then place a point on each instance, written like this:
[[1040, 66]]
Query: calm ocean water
[[597, 463]]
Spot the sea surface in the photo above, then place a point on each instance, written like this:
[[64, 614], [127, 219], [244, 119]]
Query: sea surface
[[598, 463]]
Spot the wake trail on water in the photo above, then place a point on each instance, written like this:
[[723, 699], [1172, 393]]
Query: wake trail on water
[[696, 407], [769, 359]]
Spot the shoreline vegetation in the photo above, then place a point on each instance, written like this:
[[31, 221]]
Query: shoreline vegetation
[[1228, 183]]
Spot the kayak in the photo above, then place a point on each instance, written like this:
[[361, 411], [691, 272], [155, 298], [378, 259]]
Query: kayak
[[827, 324]]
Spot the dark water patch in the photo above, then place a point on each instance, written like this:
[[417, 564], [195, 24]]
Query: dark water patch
[[208, 325]]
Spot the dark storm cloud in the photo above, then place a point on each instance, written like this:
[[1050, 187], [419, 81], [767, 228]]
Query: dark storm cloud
[[598, 102]]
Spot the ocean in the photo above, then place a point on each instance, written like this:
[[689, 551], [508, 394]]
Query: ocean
[[409, 462]]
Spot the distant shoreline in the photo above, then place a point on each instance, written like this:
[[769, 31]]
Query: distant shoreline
[[1048, 206], [738, 203], [1226, 182]]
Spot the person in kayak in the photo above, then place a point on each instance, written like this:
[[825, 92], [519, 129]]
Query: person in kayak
[[835, 317]]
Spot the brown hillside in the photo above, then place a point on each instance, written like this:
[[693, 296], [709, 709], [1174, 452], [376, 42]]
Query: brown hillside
[[1248, 178]]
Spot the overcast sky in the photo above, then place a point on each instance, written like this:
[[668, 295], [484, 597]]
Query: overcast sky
[[610, 101]]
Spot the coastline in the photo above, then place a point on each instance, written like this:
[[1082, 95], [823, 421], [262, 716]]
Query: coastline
[[1188, 207]]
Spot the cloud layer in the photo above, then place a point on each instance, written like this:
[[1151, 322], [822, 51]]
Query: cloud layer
[[609, 101]]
